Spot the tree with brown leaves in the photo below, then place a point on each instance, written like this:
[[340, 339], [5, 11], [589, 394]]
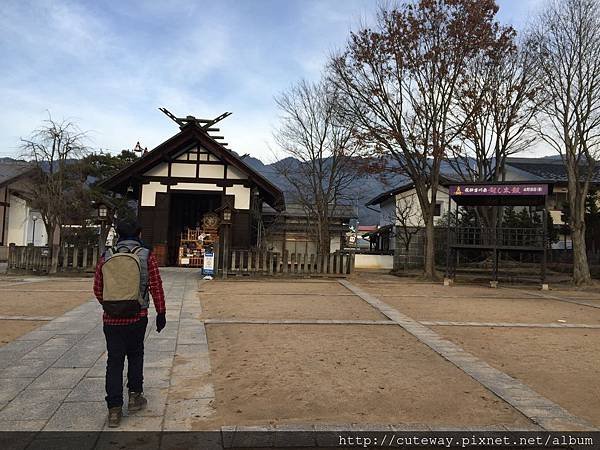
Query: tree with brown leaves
[[402, 81]]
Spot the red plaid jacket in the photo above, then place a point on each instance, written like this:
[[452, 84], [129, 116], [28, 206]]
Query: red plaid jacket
[[154, 285]]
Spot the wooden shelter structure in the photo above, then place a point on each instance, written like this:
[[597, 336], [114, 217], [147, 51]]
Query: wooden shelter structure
[[497, 239]]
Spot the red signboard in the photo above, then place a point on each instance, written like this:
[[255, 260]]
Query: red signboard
[[498, 189]]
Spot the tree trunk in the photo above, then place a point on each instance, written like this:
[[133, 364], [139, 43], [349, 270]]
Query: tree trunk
[[581, 269], [577, 193], [325, 239], [429, 266]]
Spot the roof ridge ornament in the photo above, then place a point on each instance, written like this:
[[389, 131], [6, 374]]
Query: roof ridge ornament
[[205, 125]]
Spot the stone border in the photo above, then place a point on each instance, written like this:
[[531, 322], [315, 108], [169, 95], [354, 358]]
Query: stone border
[[40, 318], [532, 405], [297, 322], [580, 302], [445, 323], [441, 323]]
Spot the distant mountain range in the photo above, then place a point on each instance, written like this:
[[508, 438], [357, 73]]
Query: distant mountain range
[[364, 187]]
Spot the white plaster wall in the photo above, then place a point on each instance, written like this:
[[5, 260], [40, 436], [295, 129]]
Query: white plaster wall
[[242, 196], [17, 221], [335, 244], [183, 170], [149, 192], [196, 187], [410, 200], [212, 171], [161, 170], [374, 261], [235, 174], [20, 224], [386, 212]]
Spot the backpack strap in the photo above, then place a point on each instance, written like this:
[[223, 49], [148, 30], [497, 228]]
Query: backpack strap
[[135, 250]]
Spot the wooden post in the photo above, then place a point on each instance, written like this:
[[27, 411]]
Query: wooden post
[[285, 261], [217, 261], [235, 256], [12, 250], [95, 251], [226, 251], [75, 257], [65, 253]]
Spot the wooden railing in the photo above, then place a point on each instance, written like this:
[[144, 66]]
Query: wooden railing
[[258, 262], [37, 259]]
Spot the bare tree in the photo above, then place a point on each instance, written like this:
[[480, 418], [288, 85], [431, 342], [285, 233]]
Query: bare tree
[[407, 220], [567, 36], [51, 148], [504, 121], [402, 81], [319, 151]]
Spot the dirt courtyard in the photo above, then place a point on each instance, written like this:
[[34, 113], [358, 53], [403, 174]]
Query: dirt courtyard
[[266, 373], [24, 299], [342, 374]]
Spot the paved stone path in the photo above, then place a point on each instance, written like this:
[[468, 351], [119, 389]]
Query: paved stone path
[[537, 408], [53, 377]]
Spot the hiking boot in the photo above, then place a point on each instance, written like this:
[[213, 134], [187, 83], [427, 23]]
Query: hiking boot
[[114, 416], [137, 401]]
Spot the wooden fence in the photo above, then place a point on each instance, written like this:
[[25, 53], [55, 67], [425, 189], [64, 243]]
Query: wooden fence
[[37, 259], [255, 262]]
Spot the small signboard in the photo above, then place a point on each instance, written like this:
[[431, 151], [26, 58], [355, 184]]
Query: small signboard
[[185, 261], [498, 189], [209, 264]]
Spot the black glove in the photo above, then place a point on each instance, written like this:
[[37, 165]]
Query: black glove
[[161, 321]]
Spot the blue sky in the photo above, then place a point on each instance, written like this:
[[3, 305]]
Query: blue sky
[[108, 65]]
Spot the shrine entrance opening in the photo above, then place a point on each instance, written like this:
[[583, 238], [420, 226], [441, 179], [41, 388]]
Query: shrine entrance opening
[[189, 234]]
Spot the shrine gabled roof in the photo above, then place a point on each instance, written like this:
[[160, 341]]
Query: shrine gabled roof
[[189, 135]]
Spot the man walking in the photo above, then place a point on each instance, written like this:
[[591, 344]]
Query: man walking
[[125, 276]]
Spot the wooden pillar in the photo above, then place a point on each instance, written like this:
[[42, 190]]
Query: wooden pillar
[[545, 245], [225, 250]]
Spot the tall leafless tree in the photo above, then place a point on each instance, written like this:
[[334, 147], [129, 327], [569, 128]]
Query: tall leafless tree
[[567, 36], [319, 149], [504, 123], [402, 80], [51, 148]]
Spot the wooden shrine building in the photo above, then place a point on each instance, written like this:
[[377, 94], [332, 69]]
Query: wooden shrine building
[[182, 188]]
